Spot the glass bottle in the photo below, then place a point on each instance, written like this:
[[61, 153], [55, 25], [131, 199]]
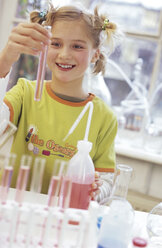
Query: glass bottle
[[116, 225], [134, 110]]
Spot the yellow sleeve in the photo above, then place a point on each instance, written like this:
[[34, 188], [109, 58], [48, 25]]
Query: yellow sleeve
[[105, 158]]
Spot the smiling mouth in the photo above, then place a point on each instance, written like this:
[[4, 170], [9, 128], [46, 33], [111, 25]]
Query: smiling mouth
[[65, 66]]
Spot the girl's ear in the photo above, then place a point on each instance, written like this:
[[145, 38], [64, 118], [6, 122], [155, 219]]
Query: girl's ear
[[95, 56]]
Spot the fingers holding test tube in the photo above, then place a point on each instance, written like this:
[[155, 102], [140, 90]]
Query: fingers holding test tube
[[26, 38]]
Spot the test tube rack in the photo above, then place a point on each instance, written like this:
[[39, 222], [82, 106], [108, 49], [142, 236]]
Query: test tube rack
[[38, 226]]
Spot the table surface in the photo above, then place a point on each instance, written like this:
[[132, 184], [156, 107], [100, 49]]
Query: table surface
[[139, 228]]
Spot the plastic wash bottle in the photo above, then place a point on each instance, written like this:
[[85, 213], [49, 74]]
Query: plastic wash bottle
[[81, 172]]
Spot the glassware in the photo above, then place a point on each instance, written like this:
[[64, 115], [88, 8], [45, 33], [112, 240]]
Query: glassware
[[60, 186], [122, 179], [116, 226], [133, 110], [153, 130], [7, 171], [22, 178], [154, 226], [117, 223], [95, 83], [41, 71], [37, 174]]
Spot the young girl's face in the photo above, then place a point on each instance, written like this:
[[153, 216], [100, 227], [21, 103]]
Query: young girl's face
[[71, 51]]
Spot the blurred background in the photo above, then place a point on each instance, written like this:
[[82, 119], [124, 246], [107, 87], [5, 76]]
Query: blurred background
[[132, 84]]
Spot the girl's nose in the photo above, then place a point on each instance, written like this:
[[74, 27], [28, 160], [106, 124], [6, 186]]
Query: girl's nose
[[65, 53]]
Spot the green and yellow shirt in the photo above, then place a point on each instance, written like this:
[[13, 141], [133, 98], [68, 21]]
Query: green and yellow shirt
[[43, 125]]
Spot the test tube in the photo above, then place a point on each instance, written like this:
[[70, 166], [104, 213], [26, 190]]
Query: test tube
[[37, 175], [54, 191], [6, 181], [59, 172], [22, 179], [7, 176], [65, 192], [41, 72]]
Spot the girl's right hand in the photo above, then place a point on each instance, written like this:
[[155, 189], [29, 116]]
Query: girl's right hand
[[27, 38]]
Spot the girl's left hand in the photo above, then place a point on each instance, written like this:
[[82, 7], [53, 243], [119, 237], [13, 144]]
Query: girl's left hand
[[95, 186]]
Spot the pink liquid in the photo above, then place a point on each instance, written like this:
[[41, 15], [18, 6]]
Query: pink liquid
[[21, 183], [53, 190], [6, 181], [65, 192], [40, 74], [80, 196]]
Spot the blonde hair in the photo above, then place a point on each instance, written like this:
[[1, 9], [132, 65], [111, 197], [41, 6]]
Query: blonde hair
[[95, 25]]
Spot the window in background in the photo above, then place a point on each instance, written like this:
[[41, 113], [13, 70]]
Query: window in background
[[126, 57], [24, 7], [142, 25]]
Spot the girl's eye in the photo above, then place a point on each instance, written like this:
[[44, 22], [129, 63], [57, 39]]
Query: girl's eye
[[55, 44], [78, 46]]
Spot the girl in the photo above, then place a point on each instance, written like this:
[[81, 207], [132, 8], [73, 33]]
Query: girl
[[75, 42]]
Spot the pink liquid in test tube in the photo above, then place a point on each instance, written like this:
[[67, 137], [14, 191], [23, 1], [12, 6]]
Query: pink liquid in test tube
[[53, 190], [65, 192], [6, 181], [21, 183], [41, 72]]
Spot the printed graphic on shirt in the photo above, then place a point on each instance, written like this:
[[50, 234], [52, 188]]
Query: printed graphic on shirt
[[32, 129], [49, 147]]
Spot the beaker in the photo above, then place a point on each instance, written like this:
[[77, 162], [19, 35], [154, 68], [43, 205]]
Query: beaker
[[122, 177], [154, 226], [116, 225], [121, 181]]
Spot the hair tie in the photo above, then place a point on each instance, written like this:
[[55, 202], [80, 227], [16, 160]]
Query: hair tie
[[42, 15], [106, 21]]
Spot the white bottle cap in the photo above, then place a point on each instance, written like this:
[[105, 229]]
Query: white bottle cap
[[84, 145]]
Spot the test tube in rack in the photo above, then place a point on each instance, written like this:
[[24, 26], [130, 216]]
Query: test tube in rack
[[37, 175], [7, 171], [53, 191], [22, 178]]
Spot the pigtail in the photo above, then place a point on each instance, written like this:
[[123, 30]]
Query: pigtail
[[38, 17], [110, 29], [99, 66], [44, 17], [106, 32]]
